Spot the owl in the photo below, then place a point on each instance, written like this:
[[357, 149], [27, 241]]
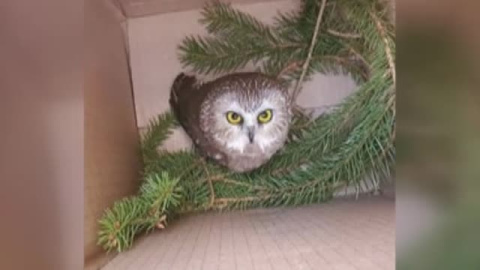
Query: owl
[[239, 120]]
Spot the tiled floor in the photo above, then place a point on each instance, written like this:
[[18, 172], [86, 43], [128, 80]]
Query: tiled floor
[[342, 234]]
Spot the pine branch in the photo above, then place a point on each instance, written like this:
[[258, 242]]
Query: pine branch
[[157, 131], [387, 43], [296, 27], [208, 55], [213, 55], [159, 196], [343, 35], [231, 24], [117, 226]]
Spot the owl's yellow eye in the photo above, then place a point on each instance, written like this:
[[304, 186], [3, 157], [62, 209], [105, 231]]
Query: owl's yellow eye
[[234, 118], [265, 116]]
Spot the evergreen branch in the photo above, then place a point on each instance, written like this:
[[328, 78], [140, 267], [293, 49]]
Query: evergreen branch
[[296, 90], [361, 58], [210, 180], [320, 61], [208, 55], [388, 51], [343, 35], [294, 65], [224, 21], [117, 228], [222, 178], [159, 195], [212, 55], [157, 131]]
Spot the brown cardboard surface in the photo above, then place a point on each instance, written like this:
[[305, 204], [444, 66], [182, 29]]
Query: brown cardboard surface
[[139, 8], [112, 162], [41, 135]]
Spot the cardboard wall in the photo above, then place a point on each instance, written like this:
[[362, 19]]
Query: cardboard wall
[[41, 135], [112, 162], [140, 8]]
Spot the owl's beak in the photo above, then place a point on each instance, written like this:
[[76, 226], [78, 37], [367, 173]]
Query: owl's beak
[[251, 133]]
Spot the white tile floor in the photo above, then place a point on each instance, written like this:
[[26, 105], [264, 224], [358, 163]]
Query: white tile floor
[[342, 234]]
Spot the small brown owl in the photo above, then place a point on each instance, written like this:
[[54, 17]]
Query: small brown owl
[[239, 120]]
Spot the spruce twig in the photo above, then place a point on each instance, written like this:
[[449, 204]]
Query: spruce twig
[[289, 68], [343, 35], [210, 180], [388, 51]]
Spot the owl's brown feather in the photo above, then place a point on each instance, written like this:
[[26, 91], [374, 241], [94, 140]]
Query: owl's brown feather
[[186, 98], [192, 103]]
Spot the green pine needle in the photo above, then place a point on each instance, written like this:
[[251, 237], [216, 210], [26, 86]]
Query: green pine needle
[[159, 197]]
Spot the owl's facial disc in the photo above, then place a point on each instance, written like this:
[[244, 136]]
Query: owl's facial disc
[[248, 127], [250, 124]]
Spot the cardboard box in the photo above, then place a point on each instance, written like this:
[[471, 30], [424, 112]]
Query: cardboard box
[[135, 57]]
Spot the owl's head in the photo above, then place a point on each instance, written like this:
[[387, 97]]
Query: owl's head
[[249, 114]]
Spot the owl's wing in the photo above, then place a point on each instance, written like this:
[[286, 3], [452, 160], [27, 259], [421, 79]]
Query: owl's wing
[[186, 98]]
